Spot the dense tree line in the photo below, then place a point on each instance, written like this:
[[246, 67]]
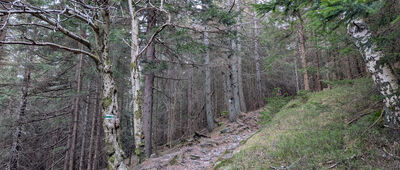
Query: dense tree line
[[109, 83]]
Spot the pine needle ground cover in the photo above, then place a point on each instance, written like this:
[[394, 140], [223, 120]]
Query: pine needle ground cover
[[340, 128]]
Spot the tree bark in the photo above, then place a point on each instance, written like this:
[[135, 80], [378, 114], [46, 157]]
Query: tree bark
[[95, 118], [135, 82], [109, 104], [148, 87], [209, 113], [75, 119], [190, 101], [243, 107], [84, 133], [96, 148], [382, 74], [234, 80], [319, 77], [3, 33], [16, 148], [257, 58], [228, 94], [303, 54]]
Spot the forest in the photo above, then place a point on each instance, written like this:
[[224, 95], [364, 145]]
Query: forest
[[199, 84]]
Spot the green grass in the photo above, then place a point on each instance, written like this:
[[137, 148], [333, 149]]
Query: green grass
[[311, 132]]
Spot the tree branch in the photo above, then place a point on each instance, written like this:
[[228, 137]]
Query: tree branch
[[49, 44]]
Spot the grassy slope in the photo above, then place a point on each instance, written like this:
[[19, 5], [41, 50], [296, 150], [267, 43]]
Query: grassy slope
[[311, 132]]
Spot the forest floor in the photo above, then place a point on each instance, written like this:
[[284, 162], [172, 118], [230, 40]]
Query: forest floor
[[205, 149], [341, 128]]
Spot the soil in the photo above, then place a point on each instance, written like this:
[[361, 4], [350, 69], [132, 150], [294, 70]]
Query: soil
[[205, 149]]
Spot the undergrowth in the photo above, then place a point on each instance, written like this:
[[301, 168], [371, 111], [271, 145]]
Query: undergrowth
[[312, 131]]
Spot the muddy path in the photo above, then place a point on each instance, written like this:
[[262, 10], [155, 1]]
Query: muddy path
[[204, 151]]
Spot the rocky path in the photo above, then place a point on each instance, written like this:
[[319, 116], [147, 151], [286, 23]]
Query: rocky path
[[203, 152]]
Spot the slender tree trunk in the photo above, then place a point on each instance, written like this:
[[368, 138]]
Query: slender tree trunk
[[234, 80], [209, 113], [95, 119], [76, 115], [257, 58], [228, 95], [243, 107], [189, 103], [296, 76], [3, 33], [382, 74], [318, 81], [135, 82], [303, 54], [156, 100], [348, 67], [148, 87], [97, 140], [84, 133], [16, 148]]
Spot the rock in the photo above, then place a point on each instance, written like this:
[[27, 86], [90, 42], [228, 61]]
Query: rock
[[153, 155], [194, 157], [226, 130]]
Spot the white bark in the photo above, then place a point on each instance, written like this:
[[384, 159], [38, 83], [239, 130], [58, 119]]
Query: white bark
[[135, 80], [382, 75]]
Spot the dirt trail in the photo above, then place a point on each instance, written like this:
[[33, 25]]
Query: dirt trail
[[203, 152]]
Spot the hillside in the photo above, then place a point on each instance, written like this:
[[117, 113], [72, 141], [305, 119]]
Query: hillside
[[340, 128]]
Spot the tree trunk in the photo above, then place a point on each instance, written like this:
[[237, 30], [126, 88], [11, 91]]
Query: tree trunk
[[228, 94], [296, 76], [148, 87], [95, 118], [135, 83], [209, 113], [85, 124], [16, 148], [382, 74], [97, 138], [319, 77], [303, 54], [243, 107], [234, 80], [3, 33], [348, 67], [75, 122], [189, 103], [109, 104], [257, 58]]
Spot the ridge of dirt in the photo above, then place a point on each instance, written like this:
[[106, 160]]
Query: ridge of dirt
[[204, 152]]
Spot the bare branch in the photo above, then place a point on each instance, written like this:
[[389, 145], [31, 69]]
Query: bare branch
[[49, 44]]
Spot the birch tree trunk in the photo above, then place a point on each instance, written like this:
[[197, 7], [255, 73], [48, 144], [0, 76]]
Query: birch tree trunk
[[16, 148], [382, 74], [135, 82], [209, 113]]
